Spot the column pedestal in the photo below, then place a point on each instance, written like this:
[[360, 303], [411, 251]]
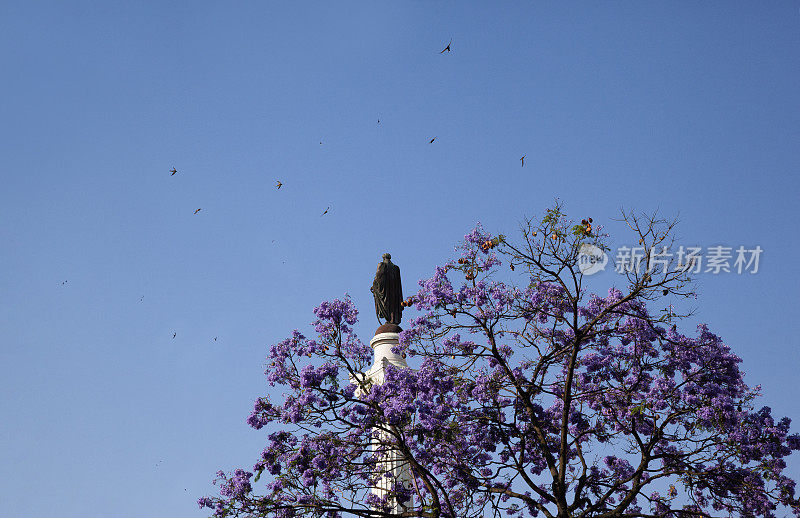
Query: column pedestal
[[382, 344]]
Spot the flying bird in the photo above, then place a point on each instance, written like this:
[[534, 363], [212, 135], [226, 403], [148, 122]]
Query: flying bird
[[447, 48], [326, 211], [173, 171], [215, 338], [279, 184], [63, 283], [523, 160], [431, 142], [198, 210], [174, 335]]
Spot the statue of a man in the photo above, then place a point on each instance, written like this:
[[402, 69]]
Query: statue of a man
[[388, 292]]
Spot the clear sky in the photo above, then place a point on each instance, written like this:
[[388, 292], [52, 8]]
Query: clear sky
[[690, 108]]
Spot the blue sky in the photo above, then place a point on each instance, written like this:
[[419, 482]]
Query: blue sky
[[689, 108]]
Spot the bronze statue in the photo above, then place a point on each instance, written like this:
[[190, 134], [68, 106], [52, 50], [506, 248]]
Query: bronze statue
[[388, 292]]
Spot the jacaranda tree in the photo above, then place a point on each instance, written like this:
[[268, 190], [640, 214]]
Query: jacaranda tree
[[539, 398]]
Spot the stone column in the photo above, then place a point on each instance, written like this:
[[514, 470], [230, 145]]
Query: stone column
[[382, 344]]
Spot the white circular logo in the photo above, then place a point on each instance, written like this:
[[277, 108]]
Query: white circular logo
[[591, 259]]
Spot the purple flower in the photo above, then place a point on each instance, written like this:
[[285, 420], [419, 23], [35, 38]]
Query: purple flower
[[513, 390]]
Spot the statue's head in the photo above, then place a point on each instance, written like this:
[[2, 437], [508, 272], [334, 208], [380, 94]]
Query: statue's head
[[387, 257]]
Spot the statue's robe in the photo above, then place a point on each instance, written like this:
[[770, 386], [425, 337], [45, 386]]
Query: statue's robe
[[388, 293]]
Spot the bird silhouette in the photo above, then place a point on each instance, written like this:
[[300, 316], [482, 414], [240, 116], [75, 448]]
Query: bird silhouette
[[215, 338], [523, 160], [431, 142], [447, 48], [198, 210], [173, 171], [279, 184], [326, 211], [63, 283], [174, 335]]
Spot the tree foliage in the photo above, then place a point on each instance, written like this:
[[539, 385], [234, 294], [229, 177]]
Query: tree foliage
[[541, 399]]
